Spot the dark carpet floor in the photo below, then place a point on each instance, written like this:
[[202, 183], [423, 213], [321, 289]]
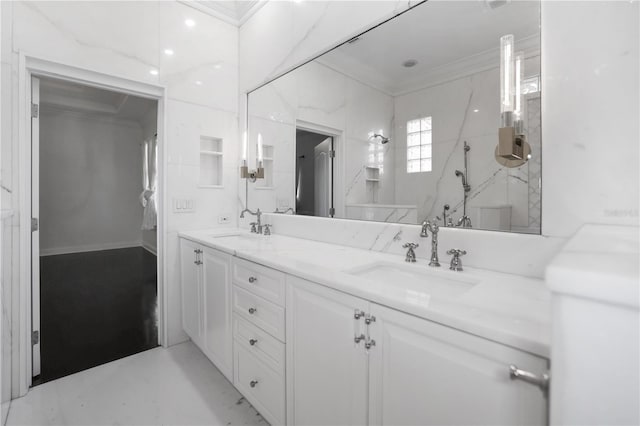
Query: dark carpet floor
[[95, 307]]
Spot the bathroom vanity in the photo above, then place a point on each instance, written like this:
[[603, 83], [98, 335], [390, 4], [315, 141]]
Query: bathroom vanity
[[317, 333]]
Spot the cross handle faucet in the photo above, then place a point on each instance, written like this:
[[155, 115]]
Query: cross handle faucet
[[456, 262], [411, 255]]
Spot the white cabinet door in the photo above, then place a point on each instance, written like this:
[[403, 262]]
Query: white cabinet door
[[423, 373], [326, 369], [216, 284], [191, 289]]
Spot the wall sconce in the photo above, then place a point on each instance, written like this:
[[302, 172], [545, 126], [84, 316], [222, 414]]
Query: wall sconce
[[513, 149], [258, 173]]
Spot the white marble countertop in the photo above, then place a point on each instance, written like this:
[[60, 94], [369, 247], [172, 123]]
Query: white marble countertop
[[508, 309], [600, 263]]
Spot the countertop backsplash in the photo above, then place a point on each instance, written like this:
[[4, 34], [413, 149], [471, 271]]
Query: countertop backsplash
[[520, 254]]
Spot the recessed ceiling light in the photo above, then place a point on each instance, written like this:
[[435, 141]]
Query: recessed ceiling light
[[476, 110], [153, 72], [190, 23], [217, 66], [198, 83], [410, 63], [168, 52]]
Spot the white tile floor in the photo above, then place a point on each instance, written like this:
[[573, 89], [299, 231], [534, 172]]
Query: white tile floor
[[158, 387]]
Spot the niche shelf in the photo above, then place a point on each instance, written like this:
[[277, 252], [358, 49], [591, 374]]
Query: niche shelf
[[211, 160], [372, 181]]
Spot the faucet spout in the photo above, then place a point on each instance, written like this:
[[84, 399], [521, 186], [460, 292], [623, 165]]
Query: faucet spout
[[258, 214], [433, 227]]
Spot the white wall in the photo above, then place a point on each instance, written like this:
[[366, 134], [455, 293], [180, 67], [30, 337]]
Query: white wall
[[90, 180], [590, 110], [127, 39]]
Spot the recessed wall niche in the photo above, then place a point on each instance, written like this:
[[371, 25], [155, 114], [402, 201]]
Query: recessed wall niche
[[211, 154]]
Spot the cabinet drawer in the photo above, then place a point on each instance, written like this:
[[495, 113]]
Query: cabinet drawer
[[263, 387], [260, 280], [266, 315], [259, 343]]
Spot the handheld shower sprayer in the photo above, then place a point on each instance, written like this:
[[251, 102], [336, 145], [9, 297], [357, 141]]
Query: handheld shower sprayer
[[465, 185]]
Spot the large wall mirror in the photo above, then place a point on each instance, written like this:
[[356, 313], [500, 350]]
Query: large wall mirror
[[403, 122]]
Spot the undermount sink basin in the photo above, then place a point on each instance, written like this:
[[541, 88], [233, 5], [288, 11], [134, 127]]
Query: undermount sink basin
[[418, 284], [242, 236]]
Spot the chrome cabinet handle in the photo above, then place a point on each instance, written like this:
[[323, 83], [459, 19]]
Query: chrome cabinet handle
[[252, 310], [357, 314], [369, 343], [359, 338], [253, 341], [253, 383], [368, 319], [540, 381], [253, 279]]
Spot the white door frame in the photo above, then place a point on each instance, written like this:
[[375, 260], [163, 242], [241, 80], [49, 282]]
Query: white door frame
[[338, 163], [33, 66]]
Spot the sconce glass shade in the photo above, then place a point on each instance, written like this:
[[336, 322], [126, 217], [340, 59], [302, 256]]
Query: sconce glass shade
[[260, 150], [519, 77], [244, 148], [507, 74]]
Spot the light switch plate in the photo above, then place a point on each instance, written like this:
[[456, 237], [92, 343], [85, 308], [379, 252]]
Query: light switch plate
[[184, 205]]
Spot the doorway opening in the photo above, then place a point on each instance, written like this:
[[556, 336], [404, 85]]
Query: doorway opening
[[94, 239], [315, 155]]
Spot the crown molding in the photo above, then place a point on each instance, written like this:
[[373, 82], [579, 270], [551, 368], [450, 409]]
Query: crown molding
[[464, 67], [235, 12]]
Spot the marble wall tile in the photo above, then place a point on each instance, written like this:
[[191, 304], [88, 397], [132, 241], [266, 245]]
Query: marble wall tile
[[462, 110], [204, 66], [590, 110], [297, 31], [94, 35], [322, 95]]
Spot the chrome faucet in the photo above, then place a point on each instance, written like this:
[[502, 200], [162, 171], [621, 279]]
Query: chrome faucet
[[290, 209], [432, 227], [256, 227], [446, 218], [464, 221]]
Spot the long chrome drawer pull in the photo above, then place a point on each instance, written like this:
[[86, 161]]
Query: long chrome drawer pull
[[540, 381]]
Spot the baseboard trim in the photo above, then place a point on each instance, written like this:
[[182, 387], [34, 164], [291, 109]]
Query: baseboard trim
[[151, 249], [88, 248]]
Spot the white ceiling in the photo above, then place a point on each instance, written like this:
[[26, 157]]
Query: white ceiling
[[68, 96], [443, 36]]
